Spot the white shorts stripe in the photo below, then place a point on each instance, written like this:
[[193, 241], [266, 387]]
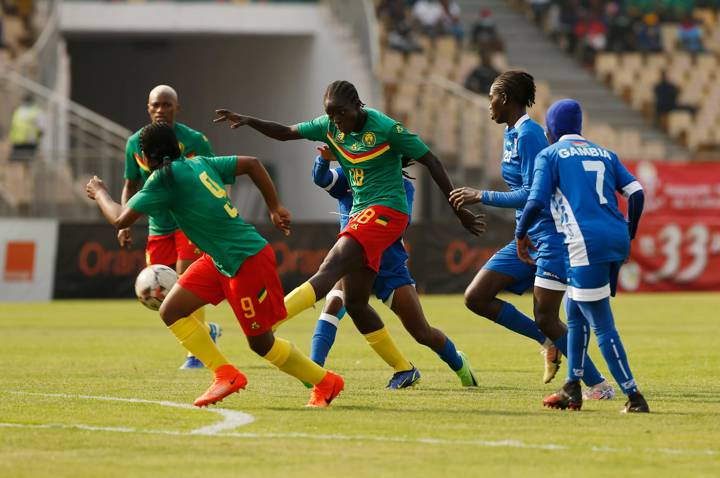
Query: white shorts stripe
[[549, 284], [588, 295]]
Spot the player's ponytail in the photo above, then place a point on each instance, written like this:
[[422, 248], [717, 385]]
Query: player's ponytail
[[405, 163], [160, 145]]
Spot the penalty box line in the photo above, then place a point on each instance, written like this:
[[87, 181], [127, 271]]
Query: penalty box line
[[232, 419]]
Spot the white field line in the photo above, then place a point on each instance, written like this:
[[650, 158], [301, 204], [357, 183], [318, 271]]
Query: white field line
[[233, 419]]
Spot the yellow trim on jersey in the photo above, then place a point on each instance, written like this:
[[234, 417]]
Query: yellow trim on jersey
[[360, 158]]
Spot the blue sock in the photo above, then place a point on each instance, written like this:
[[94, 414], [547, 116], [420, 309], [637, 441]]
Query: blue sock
[[599, 316], [324, 336], [575, 341], [450, 356], [591, 375], [511, 318]]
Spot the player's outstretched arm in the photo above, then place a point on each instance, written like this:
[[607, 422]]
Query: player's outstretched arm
[[117, 215], [270, 129], [259, 175], [130, 187], [472, 222]]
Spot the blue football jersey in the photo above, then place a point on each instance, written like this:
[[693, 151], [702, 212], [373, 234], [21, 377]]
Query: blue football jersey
[[578, 179], [521, 145]]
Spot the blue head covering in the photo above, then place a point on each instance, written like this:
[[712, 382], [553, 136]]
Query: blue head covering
[[563, 117]]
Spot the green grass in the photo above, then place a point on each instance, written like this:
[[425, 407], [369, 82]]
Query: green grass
[[119, 349]]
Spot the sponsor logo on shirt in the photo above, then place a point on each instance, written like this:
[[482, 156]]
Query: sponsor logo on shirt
[[399, 128], [369, 139], [340, 137]]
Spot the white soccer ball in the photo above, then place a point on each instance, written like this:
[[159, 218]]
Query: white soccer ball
[[153, 284]]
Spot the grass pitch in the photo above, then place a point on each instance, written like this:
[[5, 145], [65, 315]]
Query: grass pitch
[[55, 357]]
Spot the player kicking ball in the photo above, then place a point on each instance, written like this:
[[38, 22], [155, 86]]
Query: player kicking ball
[[393, 285], [239, 264], [577, 180], [368, 145]]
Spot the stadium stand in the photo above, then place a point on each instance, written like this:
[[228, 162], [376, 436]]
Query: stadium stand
[[679, 39]]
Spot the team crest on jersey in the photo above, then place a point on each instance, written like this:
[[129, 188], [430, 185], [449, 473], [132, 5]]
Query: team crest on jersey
[[340, 137], [369, 139], [399, 128]]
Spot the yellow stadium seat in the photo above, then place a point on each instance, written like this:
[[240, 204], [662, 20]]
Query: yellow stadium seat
[[669, 36], [605, 65], [679, 122]]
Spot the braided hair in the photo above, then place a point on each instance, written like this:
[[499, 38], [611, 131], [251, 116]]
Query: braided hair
[[160, 145], [344, 91], [518, 86]]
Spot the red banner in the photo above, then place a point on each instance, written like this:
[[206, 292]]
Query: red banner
[[678, 245]]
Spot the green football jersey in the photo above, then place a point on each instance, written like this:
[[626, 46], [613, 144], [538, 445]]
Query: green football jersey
[[194, 196], [191, 142], [371, 158]]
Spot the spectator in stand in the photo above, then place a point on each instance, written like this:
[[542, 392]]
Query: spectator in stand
[[26, 129], [438, 17], [484, 36], [666, 95], [481, 78], [394, 15], [539, 10], [620, 36], [648, 33], [591, 32], [568, 18], [666, 100], [690, 35]]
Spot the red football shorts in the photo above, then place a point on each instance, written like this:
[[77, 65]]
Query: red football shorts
[[376, 228], [254, 293], [167, 249]]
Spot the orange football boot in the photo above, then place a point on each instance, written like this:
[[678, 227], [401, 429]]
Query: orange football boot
[[228, 380], [324, 392]]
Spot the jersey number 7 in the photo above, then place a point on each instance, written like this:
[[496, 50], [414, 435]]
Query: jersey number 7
[[597, 167]]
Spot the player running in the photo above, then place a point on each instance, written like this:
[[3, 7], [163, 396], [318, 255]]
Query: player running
[[577, 180], [368, 145], [166, 244], [393, 284], [239, 264], [510, 95]]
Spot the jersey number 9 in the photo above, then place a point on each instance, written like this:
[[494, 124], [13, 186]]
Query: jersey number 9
[[219, 192]]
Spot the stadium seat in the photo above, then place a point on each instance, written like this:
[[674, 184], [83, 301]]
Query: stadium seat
[[605, 65], [678, 123]]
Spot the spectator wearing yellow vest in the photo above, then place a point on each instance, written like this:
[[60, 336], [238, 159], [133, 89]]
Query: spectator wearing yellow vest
[[26, 129]]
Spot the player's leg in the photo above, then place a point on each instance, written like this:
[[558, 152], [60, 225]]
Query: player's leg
[[197, 287], [256, 296], [327, 324], [360, 245], [570, 396], [591, 291], [347, 254], [405, 302], [357, 286], [187, 253]]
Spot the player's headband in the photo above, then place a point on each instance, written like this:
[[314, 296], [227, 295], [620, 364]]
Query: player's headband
[[563, 117]]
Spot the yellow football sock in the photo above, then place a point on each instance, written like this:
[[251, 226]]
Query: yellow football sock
[[194, 337], [290, 360], [385, 347], [199, 314], [301, 298]]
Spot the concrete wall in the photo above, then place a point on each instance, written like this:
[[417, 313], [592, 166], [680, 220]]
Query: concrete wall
[[274, 76]]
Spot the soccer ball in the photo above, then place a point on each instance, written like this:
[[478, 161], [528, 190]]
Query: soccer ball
[[153, 284]]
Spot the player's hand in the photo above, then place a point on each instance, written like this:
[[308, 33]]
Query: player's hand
[[124, 238], [472, 222], [281, 218], [464, 196], [94, 186], [326, 153], [236, 120], [523, 246]]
